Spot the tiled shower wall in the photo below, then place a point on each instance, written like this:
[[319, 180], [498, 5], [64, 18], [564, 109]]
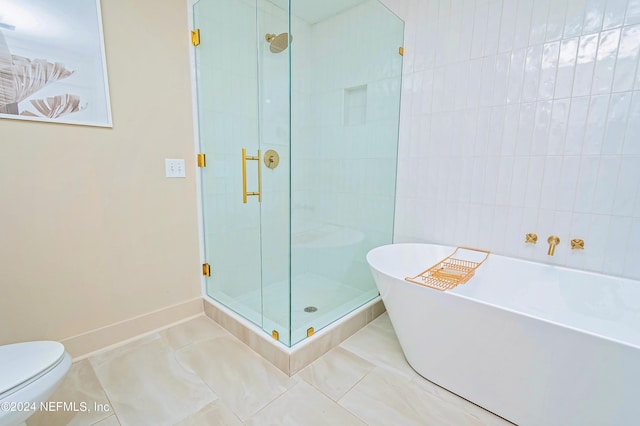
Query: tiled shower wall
[[522, 116]]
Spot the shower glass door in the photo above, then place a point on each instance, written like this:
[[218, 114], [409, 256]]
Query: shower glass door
[[243, 114]]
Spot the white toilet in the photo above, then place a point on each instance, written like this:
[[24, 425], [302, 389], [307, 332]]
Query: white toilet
[[29, 373]]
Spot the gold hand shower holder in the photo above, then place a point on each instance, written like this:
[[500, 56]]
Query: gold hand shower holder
[[449, 272], [246, 194]]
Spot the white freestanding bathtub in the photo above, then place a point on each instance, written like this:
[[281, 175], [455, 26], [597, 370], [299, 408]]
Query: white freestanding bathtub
[[533, 343]]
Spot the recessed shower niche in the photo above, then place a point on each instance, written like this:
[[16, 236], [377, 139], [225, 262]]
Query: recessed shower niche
[[355, 106], [319, 84]]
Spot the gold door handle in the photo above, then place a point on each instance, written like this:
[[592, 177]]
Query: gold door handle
[[246, 194]]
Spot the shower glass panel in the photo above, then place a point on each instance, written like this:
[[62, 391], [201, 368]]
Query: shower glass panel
[[274, 125], [311, 90], [345, 90]]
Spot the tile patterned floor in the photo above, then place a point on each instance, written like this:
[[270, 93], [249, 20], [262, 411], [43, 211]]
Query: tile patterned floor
[[196, 373]]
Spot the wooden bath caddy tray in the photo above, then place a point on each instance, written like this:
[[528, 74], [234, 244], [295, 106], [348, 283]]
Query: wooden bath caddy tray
[[450, 271]]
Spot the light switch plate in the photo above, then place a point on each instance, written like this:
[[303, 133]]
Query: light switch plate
[[174, 167]]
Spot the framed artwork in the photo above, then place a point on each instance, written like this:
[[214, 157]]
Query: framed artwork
[[52, 62]]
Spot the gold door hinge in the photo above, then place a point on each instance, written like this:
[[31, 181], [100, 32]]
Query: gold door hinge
[[195, 37], [202, 160], [401, 51], [310, 331], [206, 270], [275, 335]]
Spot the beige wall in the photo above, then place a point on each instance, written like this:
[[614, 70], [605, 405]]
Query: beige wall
[[91, 232]]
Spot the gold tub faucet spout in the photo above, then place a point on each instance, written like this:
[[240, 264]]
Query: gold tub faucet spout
[[553, 242]]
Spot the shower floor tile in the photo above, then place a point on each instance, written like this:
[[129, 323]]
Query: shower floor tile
[[196, 373], [332, 299]]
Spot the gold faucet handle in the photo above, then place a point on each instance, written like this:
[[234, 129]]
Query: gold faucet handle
[[531, 238], [553, 241], [577, 244]]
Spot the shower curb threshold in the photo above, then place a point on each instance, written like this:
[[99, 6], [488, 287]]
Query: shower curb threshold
[[293, 359]]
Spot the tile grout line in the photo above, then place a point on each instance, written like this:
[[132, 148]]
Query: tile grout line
[[104, 391]]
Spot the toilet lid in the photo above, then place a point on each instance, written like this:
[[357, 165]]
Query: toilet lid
[[20, 362]]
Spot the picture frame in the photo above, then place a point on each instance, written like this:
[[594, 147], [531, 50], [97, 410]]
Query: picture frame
[[52, 62]]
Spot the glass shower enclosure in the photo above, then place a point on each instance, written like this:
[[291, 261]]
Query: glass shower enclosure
[[298, 110]]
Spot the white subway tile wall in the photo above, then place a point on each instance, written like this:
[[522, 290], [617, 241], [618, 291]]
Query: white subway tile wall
[[522, 116]]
